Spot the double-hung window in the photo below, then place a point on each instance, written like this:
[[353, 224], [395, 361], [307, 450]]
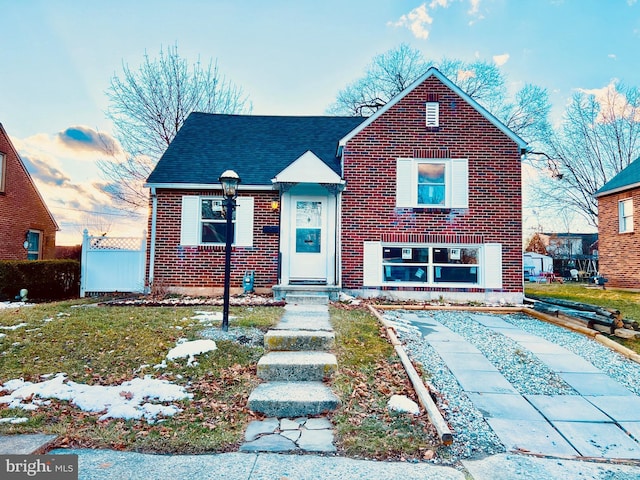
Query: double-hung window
[[625, 215], [432, 183], [203, 221], [214, 221]]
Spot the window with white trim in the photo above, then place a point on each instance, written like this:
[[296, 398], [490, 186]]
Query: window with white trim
[[625, 215], [432, 265], [432, 183], [203, 221], [451, 265]]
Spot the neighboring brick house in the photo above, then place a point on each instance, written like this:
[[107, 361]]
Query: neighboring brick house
[[618, 228], [421, 200], [27, 228]]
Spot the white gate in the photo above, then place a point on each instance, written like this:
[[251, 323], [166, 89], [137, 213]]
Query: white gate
[[112, 264]]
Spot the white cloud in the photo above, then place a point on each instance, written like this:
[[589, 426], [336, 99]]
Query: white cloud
[[612, 103], [416, 21], [613, 56], [501, 59], [465, 74], [420, 18]]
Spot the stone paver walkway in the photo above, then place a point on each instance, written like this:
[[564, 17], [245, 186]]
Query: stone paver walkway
[[602, 420]]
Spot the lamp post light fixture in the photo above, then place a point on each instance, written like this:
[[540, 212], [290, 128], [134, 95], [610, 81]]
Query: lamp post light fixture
[[229, 180]]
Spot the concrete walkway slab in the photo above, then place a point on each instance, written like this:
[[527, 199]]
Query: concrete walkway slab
[[532, 436], [484, 382], [492, 321], [623, 408], [605, 440], [523, 467], [535, 344], [24, 444], [566, 362], [110, 465], [458, 346], [466, 361], [569, 408], [594, 384], [504, 405]]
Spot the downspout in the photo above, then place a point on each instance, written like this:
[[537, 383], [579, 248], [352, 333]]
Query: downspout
[[152, 243]]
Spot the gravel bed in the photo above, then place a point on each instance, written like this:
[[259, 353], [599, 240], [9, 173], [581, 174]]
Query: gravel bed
[[473, 436]]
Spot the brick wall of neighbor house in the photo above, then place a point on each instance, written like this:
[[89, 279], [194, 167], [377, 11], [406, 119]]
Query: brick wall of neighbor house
[[619, 253], [21, 209], [200, 270], [369, 212]]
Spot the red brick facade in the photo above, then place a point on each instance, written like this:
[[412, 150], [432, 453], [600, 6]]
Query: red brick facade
[[619, 253], [200, 269], [369, 211], [22, 209]]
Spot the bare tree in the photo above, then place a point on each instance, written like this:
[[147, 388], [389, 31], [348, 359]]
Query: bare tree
[[149, 105], [393, 71], [599, 136], [387, 75]]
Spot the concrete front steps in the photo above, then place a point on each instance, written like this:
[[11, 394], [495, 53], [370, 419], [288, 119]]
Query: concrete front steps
[[297, 362]]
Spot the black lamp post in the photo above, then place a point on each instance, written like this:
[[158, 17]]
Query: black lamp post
[[229, 180]]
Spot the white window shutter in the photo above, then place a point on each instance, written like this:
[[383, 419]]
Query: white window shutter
[[244, 221], [459, 183], [372, 264], [404, 183], [432, 114], [492, 265], [190, 220]]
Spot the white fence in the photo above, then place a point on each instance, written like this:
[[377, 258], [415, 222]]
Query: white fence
[[112, 264]]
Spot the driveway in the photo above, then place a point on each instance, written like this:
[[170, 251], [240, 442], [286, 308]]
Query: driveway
[[541, 389]]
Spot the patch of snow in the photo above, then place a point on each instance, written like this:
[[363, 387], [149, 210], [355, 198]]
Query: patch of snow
[[14, 327], [14, 420], [3, 335], [129, 400], [15, 304], [402, 403], [191, 349]]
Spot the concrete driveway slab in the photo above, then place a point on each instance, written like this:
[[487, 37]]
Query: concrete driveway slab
[[504, 405], [594, 384], [532, 436], [621, 408], [484, 382], [566, 362], [568, 408], [599, 439]]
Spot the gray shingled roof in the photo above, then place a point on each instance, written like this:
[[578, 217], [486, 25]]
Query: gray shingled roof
[[630, 175], [256, 147]]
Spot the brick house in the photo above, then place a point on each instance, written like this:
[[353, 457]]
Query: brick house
[[618, 245], [27, 228], [421, 200]]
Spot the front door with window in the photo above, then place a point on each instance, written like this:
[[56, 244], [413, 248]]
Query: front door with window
[[308, 245]]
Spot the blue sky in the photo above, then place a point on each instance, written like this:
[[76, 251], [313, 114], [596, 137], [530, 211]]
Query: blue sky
[[290, 57]]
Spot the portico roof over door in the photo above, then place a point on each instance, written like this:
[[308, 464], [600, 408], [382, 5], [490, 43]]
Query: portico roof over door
[[308, 168], [310, 199]]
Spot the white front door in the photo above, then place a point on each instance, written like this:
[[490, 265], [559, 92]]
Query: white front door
[[308, 245]]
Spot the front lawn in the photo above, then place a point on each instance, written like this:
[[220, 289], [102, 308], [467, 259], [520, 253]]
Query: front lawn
[[99, 345]]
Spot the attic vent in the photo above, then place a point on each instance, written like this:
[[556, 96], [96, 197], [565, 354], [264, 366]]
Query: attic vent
[[432, 110]]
